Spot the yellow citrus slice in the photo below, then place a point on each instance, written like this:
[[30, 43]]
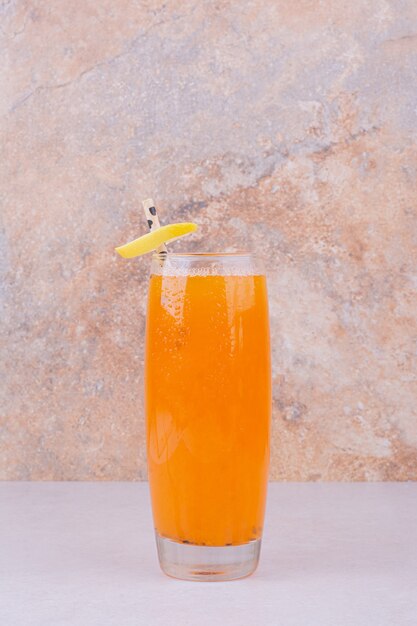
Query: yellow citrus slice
[[152, 241]]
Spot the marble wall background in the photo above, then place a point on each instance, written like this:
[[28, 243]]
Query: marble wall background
[[286, 126]]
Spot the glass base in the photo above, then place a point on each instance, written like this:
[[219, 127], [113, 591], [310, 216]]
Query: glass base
[[207, 563]]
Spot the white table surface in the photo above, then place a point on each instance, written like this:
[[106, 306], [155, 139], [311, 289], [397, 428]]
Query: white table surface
[[83, 554]]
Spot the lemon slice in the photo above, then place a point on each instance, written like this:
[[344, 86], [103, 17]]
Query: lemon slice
[[152, 241]]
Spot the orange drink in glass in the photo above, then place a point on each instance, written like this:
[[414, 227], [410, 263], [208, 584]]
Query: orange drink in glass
[[208, 402]]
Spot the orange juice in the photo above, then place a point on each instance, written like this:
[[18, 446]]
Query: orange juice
[[208, 403]]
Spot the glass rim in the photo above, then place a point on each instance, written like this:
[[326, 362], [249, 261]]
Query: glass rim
[[207, 264], [202, 254]]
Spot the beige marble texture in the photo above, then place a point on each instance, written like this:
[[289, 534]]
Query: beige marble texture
[[286, 127]]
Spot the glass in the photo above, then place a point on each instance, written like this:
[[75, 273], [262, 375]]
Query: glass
[[208, 402]]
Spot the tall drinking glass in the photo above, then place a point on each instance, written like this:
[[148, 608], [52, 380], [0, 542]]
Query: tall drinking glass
[[208, 401]]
